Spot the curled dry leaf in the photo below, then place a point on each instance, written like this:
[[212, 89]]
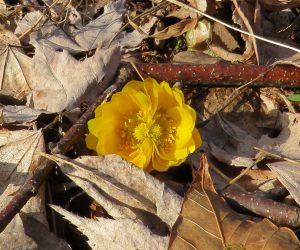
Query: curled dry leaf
[[207, 222], [239, 18], [123, 189], [176, 29]]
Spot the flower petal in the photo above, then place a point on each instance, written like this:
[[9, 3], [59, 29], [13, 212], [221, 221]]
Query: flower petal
[[91, 142]]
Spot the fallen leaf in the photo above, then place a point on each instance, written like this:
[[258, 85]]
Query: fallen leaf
[[244, 16], [96, 34], [112, 234], [289, 175], [225, 36], [54, 90], [207, 222], [99, 31], [176, 29], [18, 159], [125, 189], [234, 145], [16, 69], [194, 57], [7, 37], [46, 33], [19, 114]]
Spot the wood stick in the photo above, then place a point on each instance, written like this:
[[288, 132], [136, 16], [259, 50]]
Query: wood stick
[[223, 74], [278, 212]]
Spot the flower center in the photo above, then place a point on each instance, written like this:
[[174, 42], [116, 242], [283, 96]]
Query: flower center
[[160, 130], [143, 131]]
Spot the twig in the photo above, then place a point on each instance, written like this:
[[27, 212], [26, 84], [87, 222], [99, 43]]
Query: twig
[[276, 211], [190, 8], [30, 188], [277, 156], [235, 179]]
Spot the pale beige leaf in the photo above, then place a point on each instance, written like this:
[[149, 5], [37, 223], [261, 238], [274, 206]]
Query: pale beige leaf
[[15, 68], [112, 181], [18, 159], [46, 33], [19, 114], [207, 222], [56, 87], [234, 145], [96, 34], [175, 29], [99, 31], [7, 37], [131, 40], [289, 175], [115, 234]]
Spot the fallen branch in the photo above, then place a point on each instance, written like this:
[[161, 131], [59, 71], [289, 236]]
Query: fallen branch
[[278, 212], [223, 74], [32, 185]]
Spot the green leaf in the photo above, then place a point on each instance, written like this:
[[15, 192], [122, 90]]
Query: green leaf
[[295, 97]]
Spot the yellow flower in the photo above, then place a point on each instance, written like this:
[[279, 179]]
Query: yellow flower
[[147, 124]]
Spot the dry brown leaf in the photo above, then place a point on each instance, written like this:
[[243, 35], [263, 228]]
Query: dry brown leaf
[[194, 57], [123, 189], [115, 234], [176, 29], [225, 36], [207, 222]]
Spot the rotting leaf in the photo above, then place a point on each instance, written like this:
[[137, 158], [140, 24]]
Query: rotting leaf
[[207, 222]]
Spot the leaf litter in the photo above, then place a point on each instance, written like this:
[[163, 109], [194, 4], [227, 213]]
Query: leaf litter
[[57, 56]]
